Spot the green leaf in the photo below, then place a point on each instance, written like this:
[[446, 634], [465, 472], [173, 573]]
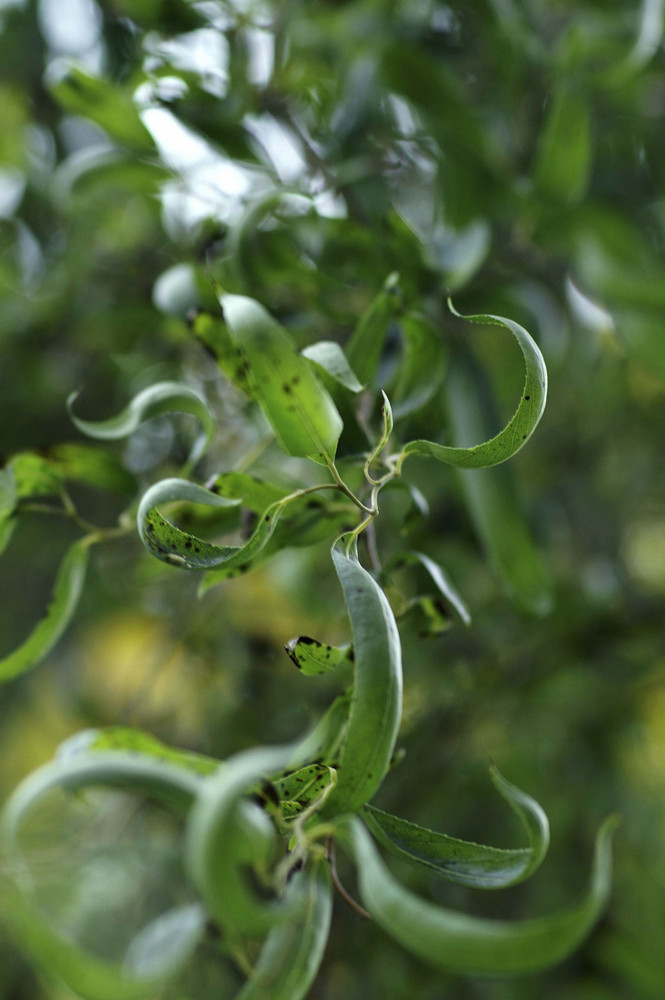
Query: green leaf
[[34, 476], [323, 743], [64, 599], [492, 502], [254, 493], [376, 708], [327, 356], [422, 365], [133, 741], [8, 493], [108, 105], [163, 397], [366, 344], [299, 788], [293, 950], [314, 658], [521, 425], [473, 945], [461, 861], [438, 576], [160, 949], [90, 466], [213, 335], [212, 848], [152, 959], [298, 408], [563, 159]]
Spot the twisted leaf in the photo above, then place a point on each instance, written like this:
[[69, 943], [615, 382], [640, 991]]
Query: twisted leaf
[[64, 599], [472, 945], [461, 861], [521, 425], [163, 397]]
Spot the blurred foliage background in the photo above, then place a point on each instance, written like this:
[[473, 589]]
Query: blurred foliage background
[[509, 151]]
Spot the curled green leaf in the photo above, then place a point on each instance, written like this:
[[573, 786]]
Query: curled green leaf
[[325, 739], [163, 397], [64, 599], [293, 949], [521, 425], [297, 406], [133, 741], [462, 861], [161, 948], [376, 708], [313, 658], [492, 500], [213, 847], [473, 945]]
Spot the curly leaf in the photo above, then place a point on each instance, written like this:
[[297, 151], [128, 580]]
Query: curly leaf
[[364, 348], [160, 949], [151, 961], [298, 789], [163, 397], [472, 945], [64, 599], [461, 861], [293, 950], [297, 406], [376, 708], [213, 849], [328, 357], [493, 504], [422, 366], [314, 658], [133, 741], [521, 425]]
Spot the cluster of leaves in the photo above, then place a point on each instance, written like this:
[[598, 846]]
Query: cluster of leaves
[[471, 148]]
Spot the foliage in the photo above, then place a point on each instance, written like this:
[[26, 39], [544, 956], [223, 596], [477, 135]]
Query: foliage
[[291, 194]]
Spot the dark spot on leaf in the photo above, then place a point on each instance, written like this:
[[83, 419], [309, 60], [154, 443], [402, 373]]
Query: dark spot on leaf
[[188, 544], [524, 437], [527, 397], [287, 388]]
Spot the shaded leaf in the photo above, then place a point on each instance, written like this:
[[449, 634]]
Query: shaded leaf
[[293, 950], [473, 945], [421, 367], [366, 344], [64, 599], [108, 105], [376, 708], [461, 861], [563, 160], [438, 576], [133, 741]]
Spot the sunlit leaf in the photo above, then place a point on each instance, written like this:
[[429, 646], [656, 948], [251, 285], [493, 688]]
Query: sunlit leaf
[[298, 408], [462, 861], [313, 657], [473, 945], [108, 105], [133, 741], [163, 397], [376, 708], [64, 599], [293, 950], [521, 425], [329, 357]]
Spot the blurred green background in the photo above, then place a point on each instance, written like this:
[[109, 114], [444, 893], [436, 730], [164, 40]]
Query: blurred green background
[[509, 151]]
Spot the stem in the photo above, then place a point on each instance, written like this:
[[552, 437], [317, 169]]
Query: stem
[[343, 487], [330, 853]]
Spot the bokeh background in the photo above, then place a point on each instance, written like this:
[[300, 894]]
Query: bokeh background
[[509, 151]]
